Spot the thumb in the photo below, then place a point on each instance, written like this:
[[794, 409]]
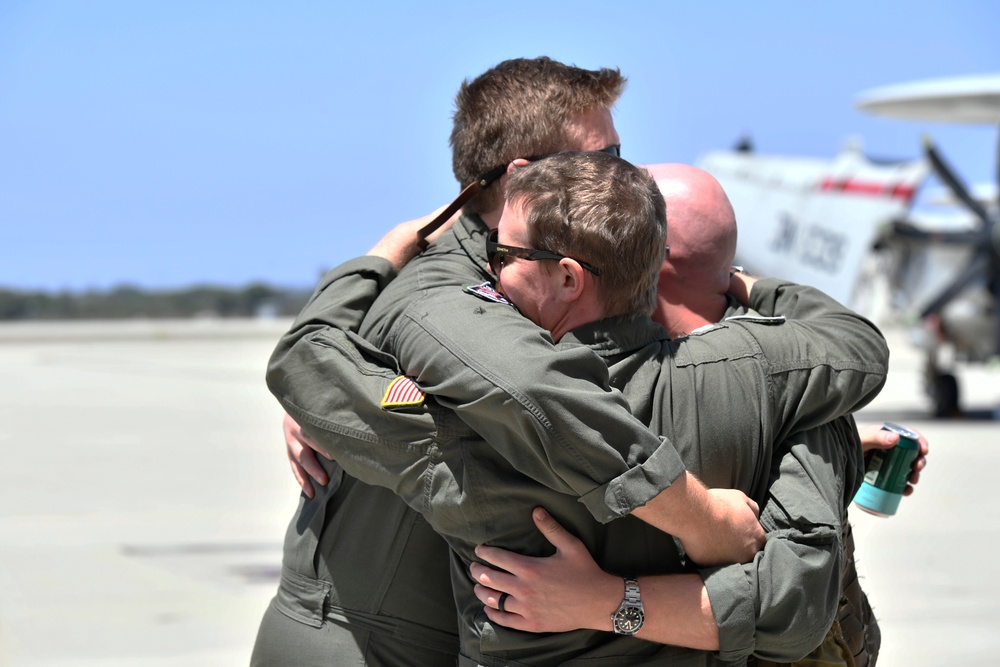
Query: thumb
[[551, 529], [888, 439]]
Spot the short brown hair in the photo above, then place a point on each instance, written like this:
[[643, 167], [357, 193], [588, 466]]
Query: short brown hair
[[521, 108], [598, 208]]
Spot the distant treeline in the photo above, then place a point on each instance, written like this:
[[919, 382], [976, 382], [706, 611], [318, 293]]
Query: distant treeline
[[255, 300]]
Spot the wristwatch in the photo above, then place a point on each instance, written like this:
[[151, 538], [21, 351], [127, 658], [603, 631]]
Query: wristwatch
[[630, 615]]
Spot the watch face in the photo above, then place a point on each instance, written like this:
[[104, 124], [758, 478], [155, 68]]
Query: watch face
[[628, 620]]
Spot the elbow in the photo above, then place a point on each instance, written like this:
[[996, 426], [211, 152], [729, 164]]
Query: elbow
[[799, 619], [802, 635], [806, 640]]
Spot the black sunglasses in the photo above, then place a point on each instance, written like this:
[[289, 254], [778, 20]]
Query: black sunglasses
[[478, 185], [496, 253]]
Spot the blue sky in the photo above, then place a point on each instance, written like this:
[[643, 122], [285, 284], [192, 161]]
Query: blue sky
[[164, 144]]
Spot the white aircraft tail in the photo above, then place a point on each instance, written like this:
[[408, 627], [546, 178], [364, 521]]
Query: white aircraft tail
[[810, 220]]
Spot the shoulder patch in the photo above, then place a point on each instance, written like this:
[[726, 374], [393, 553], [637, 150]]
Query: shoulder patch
[[702, 329], [402, 393], [488, 292], [759, 319]]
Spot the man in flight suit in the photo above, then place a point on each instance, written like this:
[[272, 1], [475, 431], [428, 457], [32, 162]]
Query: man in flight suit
[[692, 292], [364, 577], [740, 388]]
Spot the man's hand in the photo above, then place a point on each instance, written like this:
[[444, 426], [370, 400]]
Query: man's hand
[[740, 286], [737, 535], [566, 591], [716, 526], [874, 437], [401, 243], [301, 451]]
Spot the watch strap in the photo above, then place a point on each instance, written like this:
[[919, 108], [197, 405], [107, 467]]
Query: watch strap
[[629, 617]]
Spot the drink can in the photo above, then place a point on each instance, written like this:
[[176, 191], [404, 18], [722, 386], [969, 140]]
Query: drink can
[[887, 472]]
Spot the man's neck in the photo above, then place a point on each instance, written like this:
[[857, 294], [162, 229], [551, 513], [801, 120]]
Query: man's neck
[[491, 218], [680, 318]]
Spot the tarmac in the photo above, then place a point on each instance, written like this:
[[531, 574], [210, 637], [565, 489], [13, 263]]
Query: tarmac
[[144, 494]]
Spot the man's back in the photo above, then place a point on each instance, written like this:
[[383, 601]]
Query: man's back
[[472, 495]]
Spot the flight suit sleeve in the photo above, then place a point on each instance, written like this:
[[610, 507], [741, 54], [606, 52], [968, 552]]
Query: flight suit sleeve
[[824, 361], [549, 410], [392, 448], [341, 300], [317, 353], [781, 605]]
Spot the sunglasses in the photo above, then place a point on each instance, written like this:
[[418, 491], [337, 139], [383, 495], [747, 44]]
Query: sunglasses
[[481, 183], [497, 254]]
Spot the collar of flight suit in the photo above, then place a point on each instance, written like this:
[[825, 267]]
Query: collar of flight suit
[[615, 336]]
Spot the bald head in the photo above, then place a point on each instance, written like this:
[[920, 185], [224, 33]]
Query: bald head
[[701, 233], [702, 225]]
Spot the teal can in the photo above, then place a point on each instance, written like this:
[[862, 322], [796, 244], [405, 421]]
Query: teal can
[[887, 472]]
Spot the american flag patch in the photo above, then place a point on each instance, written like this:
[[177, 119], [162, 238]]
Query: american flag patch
[[402, 393]]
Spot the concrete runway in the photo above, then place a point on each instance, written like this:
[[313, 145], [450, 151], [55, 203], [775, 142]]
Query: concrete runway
[[144, 494]]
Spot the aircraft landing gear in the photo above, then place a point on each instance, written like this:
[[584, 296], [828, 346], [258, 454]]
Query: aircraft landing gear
[[945, 395], [941, 385]]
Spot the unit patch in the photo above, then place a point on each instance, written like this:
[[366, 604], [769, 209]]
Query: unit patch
[[402, 393], [759, 319], [488, 292]]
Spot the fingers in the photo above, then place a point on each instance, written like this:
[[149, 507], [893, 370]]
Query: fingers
[[925, 447], [508, 561], [490, 591], [752, 504], [491, 600], [302, 478], [487, 576], [307, 460], [299, 448], [914, 477], [494, 599], [307, 440]]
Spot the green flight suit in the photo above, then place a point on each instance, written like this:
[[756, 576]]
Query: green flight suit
[[364, 575], [771, 379]]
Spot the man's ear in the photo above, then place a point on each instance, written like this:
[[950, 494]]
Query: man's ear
[[573, 280]]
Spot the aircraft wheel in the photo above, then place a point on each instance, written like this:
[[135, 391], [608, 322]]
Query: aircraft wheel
[[945, 395]]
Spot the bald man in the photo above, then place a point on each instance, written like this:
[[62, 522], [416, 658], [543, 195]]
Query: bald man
[[693, 285], [693, 291]]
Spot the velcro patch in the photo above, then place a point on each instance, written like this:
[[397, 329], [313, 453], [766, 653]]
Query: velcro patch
[[402, 393], [759, 319], [488, 292]]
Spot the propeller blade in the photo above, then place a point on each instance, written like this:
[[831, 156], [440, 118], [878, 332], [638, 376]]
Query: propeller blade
[[951, 179], [904, 229], [974, 269]]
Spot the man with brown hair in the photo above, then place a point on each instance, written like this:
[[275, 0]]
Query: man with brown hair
[[737, 391], [529, 107], [693, 292], [608, 224], [364, 577]]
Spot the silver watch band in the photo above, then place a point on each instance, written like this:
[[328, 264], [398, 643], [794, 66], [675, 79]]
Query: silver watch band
[[632, 591]]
